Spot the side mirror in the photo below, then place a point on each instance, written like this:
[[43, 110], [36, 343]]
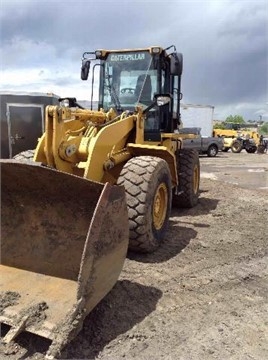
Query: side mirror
[[85, 69], [162, 99], [159, 100], [176, 63]]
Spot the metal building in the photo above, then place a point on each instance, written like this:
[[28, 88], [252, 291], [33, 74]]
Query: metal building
[[22, 118]]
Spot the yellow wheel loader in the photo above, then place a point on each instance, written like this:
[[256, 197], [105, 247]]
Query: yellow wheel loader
[[100, 182], [238, 137]]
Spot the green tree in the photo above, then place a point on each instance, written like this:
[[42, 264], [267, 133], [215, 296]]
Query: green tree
[[264, 129], [237, 119], [219, 126]]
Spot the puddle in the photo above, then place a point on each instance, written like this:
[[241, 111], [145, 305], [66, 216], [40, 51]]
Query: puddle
[[256, 170], [206, 175]]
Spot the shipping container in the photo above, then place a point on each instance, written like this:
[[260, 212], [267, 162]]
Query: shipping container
[[22, 120]]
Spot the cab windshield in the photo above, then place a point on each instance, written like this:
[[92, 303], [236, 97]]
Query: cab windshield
[[129, 79]]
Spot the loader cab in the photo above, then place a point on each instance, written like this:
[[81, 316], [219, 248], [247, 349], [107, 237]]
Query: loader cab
[[131, 78], [127, 80], [232, 126]]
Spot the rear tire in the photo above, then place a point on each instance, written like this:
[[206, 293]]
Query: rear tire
[[188, 166], [261, 149], [212, 151], [25, 156], [147, 183]]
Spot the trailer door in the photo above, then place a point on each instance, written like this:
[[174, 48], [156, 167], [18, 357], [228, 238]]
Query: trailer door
[[25, 126]]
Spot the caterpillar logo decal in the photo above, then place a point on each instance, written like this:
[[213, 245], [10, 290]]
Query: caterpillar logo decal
[[127, 57]]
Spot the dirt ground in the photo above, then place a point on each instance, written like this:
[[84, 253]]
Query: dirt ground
[[203, 295]]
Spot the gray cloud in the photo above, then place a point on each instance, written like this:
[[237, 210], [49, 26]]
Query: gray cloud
[[224, 43]]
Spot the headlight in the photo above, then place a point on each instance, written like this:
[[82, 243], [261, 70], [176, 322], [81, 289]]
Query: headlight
[[65, 103], [156, 50], [100, 54]]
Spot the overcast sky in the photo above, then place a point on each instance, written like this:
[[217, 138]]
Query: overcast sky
[[224, 44]]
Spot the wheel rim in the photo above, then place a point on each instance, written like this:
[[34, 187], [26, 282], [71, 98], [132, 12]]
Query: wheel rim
[[236, 146], [160, 206], [196, 179], [213, 151]]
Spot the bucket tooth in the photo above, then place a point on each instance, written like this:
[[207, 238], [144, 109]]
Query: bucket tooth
[[29, 316], [15, 331]]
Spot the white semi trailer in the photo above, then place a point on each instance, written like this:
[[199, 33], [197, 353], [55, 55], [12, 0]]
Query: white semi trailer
[[198, 116]]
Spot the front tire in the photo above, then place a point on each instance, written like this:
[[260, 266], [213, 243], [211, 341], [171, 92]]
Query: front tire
[[237, 146], [147, 183]]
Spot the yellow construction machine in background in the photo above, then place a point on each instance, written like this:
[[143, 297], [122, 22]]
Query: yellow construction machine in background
[[101, 182], [238, 137]]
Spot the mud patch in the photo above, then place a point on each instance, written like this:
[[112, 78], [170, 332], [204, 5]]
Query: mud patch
[[66, 331], [35, 314], [8, 298]]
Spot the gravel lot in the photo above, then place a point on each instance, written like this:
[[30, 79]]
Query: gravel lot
[[203, 294]]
